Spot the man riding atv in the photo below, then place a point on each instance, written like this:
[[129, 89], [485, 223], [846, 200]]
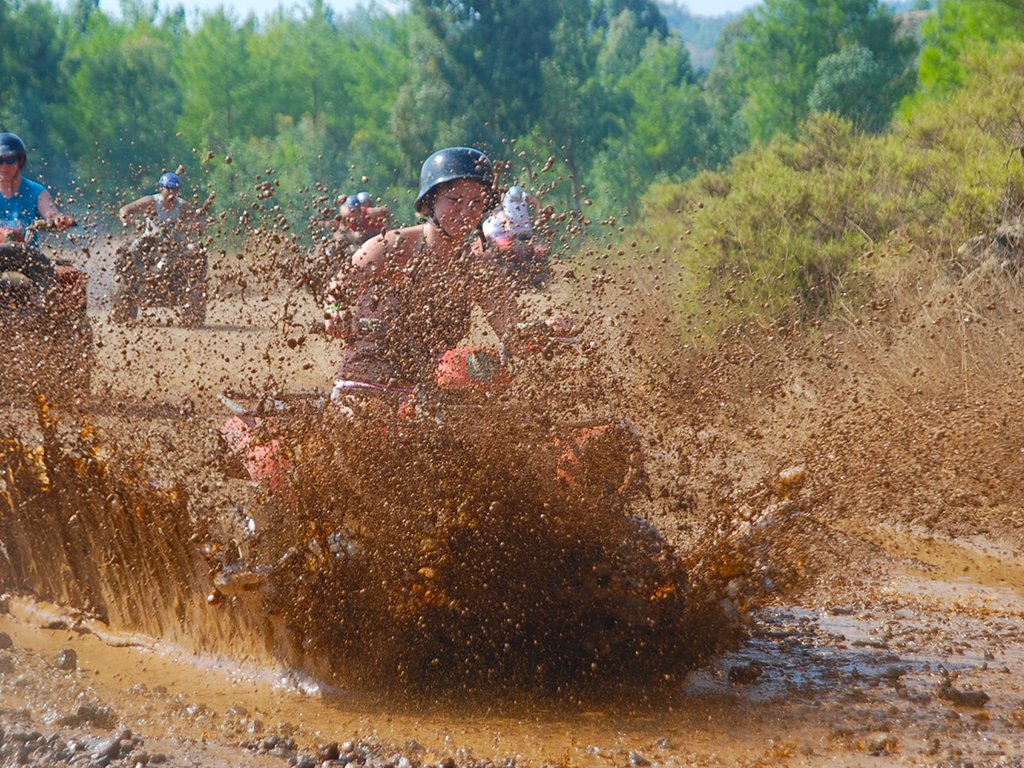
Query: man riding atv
[[22, 203], [404, 305], [357, 221], [407, 297], [42, 303], [509, 234], [163, 266]]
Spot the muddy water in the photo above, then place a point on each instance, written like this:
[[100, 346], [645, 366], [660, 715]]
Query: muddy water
[[844, 643], [857, 676]]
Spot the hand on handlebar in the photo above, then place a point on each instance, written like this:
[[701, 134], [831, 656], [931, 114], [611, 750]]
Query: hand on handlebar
[[335, 320], [60, 222]]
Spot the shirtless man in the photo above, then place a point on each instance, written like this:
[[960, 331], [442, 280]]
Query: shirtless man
[[407, 297]]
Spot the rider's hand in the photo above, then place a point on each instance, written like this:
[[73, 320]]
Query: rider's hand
[[63, 221], [336, 320]]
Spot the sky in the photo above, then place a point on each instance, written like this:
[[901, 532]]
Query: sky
[[262, 7]]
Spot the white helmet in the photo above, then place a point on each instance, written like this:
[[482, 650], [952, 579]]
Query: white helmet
[[516, 194]]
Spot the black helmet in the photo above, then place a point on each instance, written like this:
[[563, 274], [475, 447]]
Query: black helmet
[[12, 145], [448, 165]]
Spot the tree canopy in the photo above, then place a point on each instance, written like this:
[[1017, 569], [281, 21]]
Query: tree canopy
[[586, 101]]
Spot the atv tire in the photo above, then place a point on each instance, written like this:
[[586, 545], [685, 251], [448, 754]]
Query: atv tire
[[193, 296]]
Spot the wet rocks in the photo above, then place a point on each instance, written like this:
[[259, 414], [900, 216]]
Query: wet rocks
[[5, 641], [745, 674], [960, 697], [66, 660]]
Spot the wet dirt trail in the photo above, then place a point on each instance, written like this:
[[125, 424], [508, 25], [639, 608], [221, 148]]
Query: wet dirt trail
[[921, 663], [901, 642]]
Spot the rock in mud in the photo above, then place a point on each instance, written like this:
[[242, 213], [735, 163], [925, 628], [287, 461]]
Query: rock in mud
[[5, 641], [328, 751], [66, 660], [91, 714], [961, 698], [790, 481], [881, 744], [745, 674]]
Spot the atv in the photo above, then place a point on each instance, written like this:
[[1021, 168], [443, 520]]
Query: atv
[[158, 270], [48, 340], [456, 536]]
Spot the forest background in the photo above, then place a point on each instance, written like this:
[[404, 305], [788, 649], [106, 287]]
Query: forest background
[[594, 103]]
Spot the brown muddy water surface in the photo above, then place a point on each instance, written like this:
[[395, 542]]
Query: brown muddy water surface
[[824, 625], [922, 664]]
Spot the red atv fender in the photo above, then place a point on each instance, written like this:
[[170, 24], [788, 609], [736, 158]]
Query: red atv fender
[[476, 368]]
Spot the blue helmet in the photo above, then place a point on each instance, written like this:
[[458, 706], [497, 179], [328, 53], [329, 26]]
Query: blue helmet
[[352, 201], [170, 181]]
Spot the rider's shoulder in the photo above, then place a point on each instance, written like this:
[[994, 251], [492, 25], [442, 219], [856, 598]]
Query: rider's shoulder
[[393, 246], [401, 241], [30, 189]]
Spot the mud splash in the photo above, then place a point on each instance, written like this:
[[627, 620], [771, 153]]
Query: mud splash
[[88, 529], [435, 554]]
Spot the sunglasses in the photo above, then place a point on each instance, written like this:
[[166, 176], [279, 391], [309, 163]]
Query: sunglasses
[[8, 159]]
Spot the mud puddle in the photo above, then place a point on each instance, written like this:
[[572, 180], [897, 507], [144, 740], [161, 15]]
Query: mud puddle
[[916, 664]]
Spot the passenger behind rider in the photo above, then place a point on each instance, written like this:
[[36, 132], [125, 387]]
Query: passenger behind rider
[[359, 220], [22, 203], [407, 297]]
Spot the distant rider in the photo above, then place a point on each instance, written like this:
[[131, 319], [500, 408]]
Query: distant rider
[[164, 211], [513, 219], [22, 203], [509, 232], [163, 249], [359, 220]]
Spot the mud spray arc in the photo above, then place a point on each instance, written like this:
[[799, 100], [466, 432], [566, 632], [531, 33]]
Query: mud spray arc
[[781, 537]]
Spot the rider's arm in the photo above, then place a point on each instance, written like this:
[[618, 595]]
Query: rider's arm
[[352, 280], [381, 217], [144, 205], [497, 299], [498, 302], [48, 210]]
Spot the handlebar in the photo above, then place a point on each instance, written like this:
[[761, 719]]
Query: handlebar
[[45, 225]]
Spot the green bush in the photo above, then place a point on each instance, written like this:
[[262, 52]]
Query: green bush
[[782, 234]]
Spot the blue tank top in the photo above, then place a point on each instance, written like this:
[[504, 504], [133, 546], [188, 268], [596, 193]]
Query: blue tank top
[[20, 211]]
